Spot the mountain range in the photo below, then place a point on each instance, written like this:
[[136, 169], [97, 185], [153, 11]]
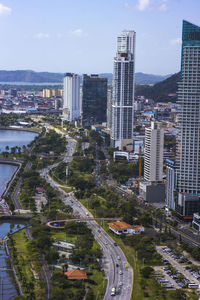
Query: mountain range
[[43, 77]]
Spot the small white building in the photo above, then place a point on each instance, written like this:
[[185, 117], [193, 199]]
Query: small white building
[[120, 227], [196, 221]]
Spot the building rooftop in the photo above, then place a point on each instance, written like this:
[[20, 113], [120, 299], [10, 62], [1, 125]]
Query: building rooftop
[[76, 274], [119, 225]]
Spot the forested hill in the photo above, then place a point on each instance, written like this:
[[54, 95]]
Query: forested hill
[[41, 77], [161, 91]]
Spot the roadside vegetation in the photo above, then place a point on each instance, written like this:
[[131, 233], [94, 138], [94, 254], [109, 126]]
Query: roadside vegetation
[[141, 255], [51, 142], [123, 170], [85, 255]]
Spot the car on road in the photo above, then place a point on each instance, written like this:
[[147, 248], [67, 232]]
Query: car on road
[[115, 244], [120, 272], [118, 257]]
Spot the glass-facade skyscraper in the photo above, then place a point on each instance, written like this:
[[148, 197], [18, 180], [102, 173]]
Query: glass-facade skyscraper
[[123, 91], [188, 158], [94, 100]]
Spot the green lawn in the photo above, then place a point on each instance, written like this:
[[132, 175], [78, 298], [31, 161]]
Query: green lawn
[[101, 283], [28, 266], [61, 236], [20, 244], [67, 189]]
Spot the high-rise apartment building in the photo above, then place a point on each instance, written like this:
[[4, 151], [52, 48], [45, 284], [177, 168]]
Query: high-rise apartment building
[[152, 189], [123, 90], [94, 100], [153, 153], [71, 97], [188, 161]]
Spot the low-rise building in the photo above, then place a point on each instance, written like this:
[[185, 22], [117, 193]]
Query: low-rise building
[[76, 274], [63, 246], [120, 227], [196, 221]]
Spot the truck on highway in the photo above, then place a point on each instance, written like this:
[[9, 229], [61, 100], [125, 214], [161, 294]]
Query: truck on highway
[[113, 291]]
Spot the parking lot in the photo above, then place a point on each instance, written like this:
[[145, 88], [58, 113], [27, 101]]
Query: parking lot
[[164, 279], [177, 270]]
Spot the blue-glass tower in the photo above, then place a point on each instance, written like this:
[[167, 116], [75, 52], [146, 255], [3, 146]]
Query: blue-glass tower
[[188, 160]]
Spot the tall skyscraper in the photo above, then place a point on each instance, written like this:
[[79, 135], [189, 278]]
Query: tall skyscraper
[[71, 97], [94, 99], [188, 161], [153, 154], [123, 90]]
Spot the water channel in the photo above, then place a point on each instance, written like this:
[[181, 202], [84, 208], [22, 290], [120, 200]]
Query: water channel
[[14, 138], [11, 138]]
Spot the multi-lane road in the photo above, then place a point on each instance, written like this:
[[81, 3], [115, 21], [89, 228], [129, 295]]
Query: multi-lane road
[[118, 272]]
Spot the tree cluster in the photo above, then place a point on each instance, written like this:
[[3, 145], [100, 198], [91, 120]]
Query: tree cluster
[[145, 249], [52, 141]]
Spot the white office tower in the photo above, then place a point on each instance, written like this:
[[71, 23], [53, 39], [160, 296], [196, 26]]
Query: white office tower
[[123, 91], [153, 153], [71, 97]]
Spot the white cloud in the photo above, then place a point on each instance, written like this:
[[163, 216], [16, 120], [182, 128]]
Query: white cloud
[[78, 32], [59, 35], [143, 5], [160, 5], [176, 41], [126, 5], [163, 7], [4, 10], [42, 35]]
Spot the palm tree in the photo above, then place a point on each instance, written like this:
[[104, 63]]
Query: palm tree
[[24, 148], [7, 148]]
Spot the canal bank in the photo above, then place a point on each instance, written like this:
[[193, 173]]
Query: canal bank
[[17, 163], [35, 130], [9, 169], [10, 286]]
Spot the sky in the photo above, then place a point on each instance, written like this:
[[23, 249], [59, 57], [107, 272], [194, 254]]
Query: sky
[[79, 36]]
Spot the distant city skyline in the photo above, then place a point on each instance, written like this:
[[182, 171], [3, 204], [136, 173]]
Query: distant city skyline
[[79, 36]]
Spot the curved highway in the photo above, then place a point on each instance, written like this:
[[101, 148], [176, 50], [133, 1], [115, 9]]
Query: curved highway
[[118, 272]]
